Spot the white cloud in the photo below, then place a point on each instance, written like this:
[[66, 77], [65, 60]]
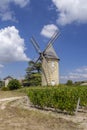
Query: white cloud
[[12, 46], [82, 69], [5, 11], [71, 11], [48, 30], [21, 3], [76, 75], [1, 66], [9, 15]]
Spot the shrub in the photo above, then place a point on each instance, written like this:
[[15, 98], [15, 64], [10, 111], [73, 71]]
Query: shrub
[[14, 84], [4, 88]]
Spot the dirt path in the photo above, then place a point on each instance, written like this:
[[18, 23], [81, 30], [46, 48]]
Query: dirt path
[[5, 101], [17, 114]]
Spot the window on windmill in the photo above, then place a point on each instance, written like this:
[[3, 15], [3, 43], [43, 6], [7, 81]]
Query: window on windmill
[[53, 64]]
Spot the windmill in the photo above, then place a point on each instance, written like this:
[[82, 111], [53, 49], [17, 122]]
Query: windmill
[[49, 61]]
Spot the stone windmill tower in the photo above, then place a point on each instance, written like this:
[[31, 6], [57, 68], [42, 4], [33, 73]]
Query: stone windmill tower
[[49, 61]]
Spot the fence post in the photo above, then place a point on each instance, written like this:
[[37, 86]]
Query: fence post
[[77, 107]]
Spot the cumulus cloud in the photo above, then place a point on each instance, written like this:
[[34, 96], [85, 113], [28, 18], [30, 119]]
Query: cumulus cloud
[[48, 30], [76, 75], [12, 46], [21, 3], [1, 66], [82, 70], [71, 11], [5, 11]]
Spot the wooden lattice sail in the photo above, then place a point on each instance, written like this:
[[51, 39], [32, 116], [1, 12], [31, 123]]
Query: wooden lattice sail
[[49, 61]]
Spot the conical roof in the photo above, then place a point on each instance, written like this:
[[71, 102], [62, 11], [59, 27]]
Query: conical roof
[[50, 53]]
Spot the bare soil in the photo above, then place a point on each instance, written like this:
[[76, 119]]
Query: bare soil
[[16, 113]]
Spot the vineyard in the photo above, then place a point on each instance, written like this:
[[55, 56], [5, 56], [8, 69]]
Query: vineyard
[[62, 98]]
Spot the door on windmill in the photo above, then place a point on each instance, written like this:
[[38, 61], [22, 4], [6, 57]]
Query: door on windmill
[[52, 82]]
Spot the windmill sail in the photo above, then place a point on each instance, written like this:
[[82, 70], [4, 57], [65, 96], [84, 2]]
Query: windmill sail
[[49, 61], [53, 38], [45, 72], [35, 44]]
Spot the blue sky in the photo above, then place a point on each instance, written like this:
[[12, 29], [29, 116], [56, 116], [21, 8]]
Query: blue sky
[[20, 19]]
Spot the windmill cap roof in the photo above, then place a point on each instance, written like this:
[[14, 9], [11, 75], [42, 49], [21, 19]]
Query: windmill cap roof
[[50, 53]]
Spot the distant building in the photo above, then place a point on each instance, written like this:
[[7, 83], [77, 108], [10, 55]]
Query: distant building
[[82, 83], [7, 80]]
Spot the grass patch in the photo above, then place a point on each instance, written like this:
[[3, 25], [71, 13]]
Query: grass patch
[[7, 94]]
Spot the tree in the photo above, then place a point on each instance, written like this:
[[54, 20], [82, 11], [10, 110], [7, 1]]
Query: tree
[[33, 74], [1, 83], [69, 83], [14, 84]]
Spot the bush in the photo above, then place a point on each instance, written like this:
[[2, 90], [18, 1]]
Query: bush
[[4, 88], [14, 84]]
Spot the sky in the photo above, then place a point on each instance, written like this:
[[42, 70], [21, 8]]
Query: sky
[[22, 19]]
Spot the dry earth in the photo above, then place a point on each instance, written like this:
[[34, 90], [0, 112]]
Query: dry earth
[[16, 113]]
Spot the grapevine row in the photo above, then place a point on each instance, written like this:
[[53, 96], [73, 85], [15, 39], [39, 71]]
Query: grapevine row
[[62, 98]]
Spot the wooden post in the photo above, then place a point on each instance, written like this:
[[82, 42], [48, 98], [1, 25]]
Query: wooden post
[[77, 105]]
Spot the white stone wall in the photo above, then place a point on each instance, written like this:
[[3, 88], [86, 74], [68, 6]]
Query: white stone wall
[[7, 81], [50, 76]]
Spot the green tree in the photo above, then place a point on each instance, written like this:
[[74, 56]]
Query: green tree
[[1, 83], [69, 83], [33, 74], [14, 84]]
